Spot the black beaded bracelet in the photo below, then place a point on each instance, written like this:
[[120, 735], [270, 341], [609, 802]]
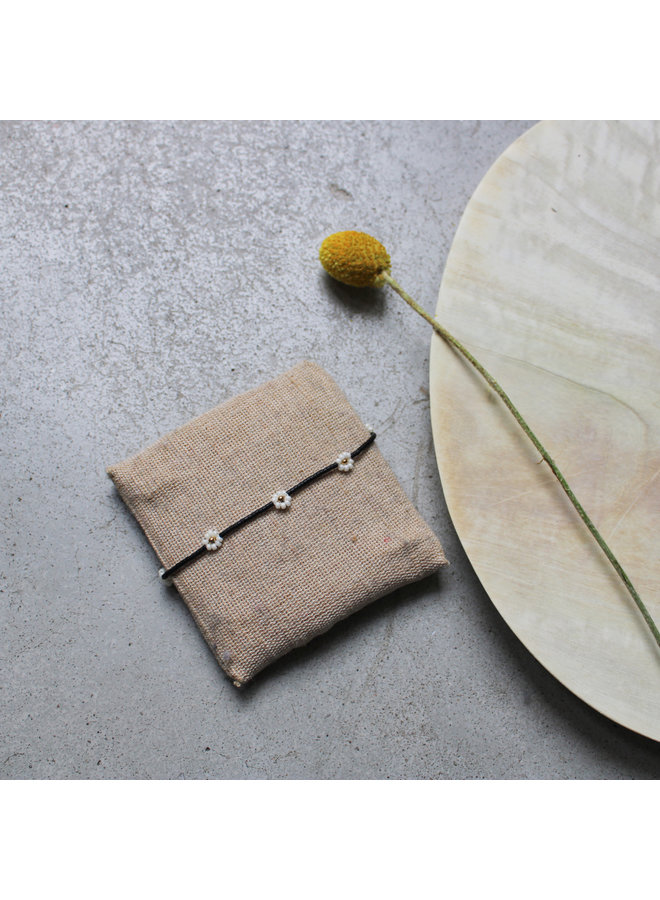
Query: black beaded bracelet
[[281, 500]]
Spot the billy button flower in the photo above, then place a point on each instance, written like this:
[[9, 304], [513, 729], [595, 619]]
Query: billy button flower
[[357, 259]]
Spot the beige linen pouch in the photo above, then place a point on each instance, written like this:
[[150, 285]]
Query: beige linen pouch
[[287, 576]]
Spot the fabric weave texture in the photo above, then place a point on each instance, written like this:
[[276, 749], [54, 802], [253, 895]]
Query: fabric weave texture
[[288, 576]]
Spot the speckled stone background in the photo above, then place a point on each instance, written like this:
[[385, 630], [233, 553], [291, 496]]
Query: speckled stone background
[[148, 271]]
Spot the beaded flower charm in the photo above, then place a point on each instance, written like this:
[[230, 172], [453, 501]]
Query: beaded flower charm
[[212, 539], [345, 462], [281, 500]]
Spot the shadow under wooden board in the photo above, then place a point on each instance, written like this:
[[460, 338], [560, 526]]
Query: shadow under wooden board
[[553, 282]]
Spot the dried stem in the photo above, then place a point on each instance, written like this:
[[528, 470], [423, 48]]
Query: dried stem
[[600, 540]]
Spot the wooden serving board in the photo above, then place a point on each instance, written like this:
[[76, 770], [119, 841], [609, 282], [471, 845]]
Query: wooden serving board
[[553, 282]]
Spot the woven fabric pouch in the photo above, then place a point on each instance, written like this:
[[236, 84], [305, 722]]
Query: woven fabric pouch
[[287, 576]]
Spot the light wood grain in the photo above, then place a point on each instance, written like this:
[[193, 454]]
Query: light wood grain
[[553, 282]]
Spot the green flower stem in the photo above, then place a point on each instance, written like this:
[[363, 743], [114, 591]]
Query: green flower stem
[[600, 540]]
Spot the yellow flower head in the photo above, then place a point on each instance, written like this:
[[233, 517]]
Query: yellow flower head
[[355, 258]]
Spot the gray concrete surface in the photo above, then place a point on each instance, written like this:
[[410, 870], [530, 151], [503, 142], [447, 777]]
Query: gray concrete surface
[[149, 271]]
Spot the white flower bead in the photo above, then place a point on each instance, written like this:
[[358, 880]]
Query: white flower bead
[[345, 462], [370, 428], [281, 500], [212, 539]]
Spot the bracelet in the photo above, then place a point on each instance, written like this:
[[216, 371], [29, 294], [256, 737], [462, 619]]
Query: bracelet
[[281, 500]]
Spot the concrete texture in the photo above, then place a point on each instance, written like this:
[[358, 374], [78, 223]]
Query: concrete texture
[[149, 270]]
